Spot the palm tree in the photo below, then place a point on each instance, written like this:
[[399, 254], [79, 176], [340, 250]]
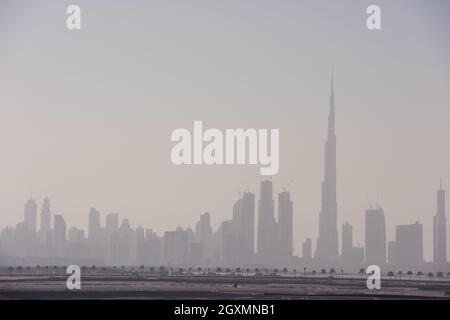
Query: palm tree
[[10, 269], [275, 271], [199, 269], [430, 275], [419, 274], [219, 270], [180, 270], [189, 270], [323, 272], [93, 268], [142, 268], [448, 275], [332, 271], [304, 271], [247, 271], [390, 274], [313, 273], [295, 272], [399, 274], [227, 270], [285, 270], [38, 267], [152, 269], [362, 272], [19, 269], [439, 275], [162, 269], [409, 274]]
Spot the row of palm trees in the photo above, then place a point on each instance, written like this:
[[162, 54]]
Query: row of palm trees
[[222, 271]]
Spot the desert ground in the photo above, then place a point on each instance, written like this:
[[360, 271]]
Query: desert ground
[[203, 286]]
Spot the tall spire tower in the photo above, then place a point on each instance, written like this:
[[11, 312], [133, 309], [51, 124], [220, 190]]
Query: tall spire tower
[[440, 231], [327, 243]]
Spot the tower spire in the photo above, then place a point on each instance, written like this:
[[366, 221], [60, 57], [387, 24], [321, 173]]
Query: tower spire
[[331, 117]]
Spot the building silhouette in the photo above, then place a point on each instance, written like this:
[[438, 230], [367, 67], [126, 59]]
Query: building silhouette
[[285, 225], [351, 256], [46, 218], [30, 215], [204, 235], [267, 236], [59, 235], [94, 225], [407, 249], [327, 242], [375, 248], [440, 231], [307, 249]]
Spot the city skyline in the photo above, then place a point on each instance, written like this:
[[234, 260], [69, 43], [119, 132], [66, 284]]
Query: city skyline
[[231, 244], [86, 116], [234, 241]]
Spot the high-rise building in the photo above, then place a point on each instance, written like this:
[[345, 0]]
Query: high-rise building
[[307, 249], [59, 234], [375, 249], [347, 240], [244, 221], [176, 247], [407, 249], [46, 218], [327, 242], [267, 226], [351, 256], [112, 222], [230, 250], [94, 225], [30, 215], [285, 224], [440, 231], [204, 235]]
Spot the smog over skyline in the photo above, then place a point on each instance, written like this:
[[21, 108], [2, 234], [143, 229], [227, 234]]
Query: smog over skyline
[[252, 134]]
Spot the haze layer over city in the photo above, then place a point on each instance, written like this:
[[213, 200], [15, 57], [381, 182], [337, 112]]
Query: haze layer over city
[[86, 117]]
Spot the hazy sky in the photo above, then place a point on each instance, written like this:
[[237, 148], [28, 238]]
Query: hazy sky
[[86, 116]]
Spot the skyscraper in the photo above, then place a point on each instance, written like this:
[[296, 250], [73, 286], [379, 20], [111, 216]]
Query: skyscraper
[[307, 249], [375, 237], [94, 225], [30, 215], [244, 220], [327, 243], [440, 230], [60, 234], [204, 235], [347, 240], [112, 222], [407, 249], [46, 218], [267, 227], [285, 213]]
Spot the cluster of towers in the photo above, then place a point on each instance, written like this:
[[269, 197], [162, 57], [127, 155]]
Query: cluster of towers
[[253, 236]]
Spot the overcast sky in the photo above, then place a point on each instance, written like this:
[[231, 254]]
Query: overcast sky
[[86, 116]]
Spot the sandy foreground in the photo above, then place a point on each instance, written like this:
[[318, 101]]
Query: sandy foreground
[[214, 287]]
